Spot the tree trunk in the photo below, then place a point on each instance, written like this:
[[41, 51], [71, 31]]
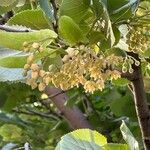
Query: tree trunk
[[141, 106]]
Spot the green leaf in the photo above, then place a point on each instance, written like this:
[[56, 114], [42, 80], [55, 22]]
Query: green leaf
[[12, 99], [82, 139], [33, 19], [54, 60], [141, 11], [12, 119], [98, 8], [112, 146], [119, 107], [146, 53], [95, 37], [109, 34], [18, 60], [84, 26], [6, 52], [121, 10], [73, 97], [14, 40], [6, 3], [4, 9], [13, 61], [128, 137], [117, 34], [147, 82], [76, 9], [73, 144], [47, 8], [116, 51], [121, 82], [10, 135], [70, 31]]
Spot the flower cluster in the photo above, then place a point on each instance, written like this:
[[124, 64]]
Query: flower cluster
[[28, 47], [79, 68], [127, 64], [88, 70], [138, 39], [37, 74]]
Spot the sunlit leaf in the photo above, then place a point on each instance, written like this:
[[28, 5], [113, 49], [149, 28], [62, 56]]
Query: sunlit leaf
[[6, 3], [76, 9], [14, 40], [112, 146], [128, 137], [70, 31], [33, 19], [82, 139]]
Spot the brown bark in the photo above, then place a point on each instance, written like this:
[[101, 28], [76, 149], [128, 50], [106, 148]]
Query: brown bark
[[74, 116], [141, 106]]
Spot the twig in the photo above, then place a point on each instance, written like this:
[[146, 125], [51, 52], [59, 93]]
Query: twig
[[43, 114], [46, 103], [54, 95], [31, 112], [89, 104]]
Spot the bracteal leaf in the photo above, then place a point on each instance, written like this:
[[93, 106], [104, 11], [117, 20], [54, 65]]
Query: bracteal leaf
[[15, 40]]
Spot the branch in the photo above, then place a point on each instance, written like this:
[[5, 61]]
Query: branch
[[141, 104], [74, 116], [46, 103], [129, 76]]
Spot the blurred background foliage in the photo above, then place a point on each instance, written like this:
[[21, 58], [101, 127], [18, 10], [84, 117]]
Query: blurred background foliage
[[26, 116]]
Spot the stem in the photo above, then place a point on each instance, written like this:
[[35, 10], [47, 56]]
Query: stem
[[32, 3], [141, 105], [74, 116], [55, 24]]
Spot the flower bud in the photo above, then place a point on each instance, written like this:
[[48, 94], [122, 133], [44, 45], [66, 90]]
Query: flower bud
[[35, 45], [34, 85], [25, 44], [42, 86], [26, 67], [124, 69], [41, 49], [131, 70], [42, 73], [30, 59], [34, 67], [137, 63], [34, 75], [65, 58]]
